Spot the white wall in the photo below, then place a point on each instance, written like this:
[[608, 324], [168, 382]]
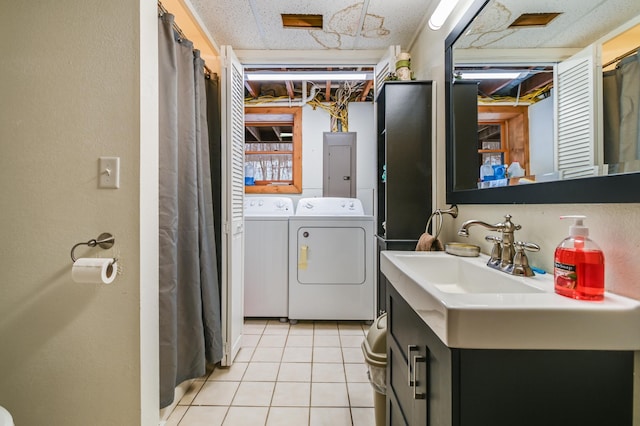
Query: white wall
[[317, 121], [70, 353], [361, 121], [541, 149]]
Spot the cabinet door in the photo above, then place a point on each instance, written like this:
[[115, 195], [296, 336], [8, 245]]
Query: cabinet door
[[464, 174], [430, 366], [438, 374], [403, 335], [546, 387], [419, 382], [404, 114], [398, 395], [419, 372]]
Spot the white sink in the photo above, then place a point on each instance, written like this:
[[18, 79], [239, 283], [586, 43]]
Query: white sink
[[469, 305], [452, 274]]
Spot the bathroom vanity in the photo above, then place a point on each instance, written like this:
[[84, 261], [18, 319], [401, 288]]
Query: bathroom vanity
[[497, 355]]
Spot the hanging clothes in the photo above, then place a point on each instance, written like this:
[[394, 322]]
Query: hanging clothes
[[190, 334]]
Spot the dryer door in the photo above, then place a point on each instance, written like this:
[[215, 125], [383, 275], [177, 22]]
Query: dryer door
[[331, 255]]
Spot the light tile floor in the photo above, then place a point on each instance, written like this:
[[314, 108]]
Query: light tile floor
[[310, 373]]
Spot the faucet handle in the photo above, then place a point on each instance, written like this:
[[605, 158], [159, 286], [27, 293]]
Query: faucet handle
[[521, 246], [510, 226], [496, 251], [520, 262]]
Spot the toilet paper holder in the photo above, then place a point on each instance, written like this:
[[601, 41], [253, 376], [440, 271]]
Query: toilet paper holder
[[104, 241]]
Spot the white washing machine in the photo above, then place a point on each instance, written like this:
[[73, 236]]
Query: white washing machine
[[266, 256], [331, 261]]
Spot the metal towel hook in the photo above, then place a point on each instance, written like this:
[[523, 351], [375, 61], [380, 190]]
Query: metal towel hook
[[104, 241], [453, 211]]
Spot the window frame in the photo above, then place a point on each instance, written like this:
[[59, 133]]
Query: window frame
[[295, 187]]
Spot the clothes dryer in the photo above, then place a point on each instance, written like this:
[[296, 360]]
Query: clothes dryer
[[331, 261]]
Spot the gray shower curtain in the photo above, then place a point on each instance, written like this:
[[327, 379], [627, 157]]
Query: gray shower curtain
[[621, 96], [190, 335]]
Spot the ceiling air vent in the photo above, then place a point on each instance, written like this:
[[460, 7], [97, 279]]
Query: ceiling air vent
[[533, 20], [302, 21]]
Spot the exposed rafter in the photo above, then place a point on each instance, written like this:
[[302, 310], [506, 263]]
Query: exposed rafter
[[252, 88], [294, 89], [254, 132], [289, 86], [277, 131], [365, 90]]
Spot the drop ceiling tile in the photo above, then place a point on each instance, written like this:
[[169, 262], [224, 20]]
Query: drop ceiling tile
[[581, 23], [230, 23]]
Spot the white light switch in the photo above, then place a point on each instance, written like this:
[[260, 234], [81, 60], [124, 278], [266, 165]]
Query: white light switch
[[109, 169]]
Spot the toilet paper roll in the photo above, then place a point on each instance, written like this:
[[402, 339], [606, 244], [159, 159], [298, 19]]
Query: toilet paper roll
[[94, 270]]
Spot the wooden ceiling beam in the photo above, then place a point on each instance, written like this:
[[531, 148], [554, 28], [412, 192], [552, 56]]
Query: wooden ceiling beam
[[254, 131], [365, 90], [289, 87], [489, 87], [252, 88], [327, 93], [536, 82], [277, 132]]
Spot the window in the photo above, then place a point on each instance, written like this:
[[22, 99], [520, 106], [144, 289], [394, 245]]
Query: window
[[273, 150]]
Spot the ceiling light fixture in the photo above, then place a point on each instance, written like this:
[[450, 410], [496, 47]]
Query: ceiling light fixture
[[301, 76], [442, 12], [489, 75]]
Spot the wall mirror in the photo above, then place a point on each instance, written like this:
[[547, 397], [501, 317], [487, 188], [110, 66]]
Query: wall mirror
[[476, 131]]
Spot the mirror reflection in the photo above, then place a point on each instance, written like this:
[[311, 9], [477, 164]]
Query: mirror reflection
[[556, 98]]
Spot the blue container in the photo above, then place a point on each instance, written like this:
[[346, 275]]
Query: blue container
[[248, 175]]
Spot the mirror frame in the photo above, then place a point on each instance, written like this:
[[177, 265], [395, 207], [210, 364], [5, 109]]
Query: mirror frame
[[619, 188]]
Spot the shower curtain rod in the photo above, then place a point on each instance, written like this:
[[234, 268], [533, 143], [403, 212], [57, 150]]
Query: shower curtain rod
[[163, 10], [624, 55]]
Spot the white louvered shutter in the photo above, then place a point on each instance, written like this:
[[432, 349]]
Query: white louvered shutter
[[233, 199], [386, 66], [578, 143]]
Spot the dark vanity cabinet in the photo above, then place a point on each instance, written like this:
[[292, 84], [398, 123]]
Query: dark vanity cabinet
[[403, 115], [431, 384], [419, 369]]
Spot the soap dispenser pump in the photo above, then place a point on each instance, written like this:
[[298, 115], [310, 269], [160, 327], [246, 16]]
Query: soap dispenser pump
[[579, 264]]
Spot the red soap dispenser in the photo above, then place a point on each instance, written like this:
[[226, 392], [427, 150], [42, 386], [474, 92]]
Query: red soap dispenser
[[579, 264]]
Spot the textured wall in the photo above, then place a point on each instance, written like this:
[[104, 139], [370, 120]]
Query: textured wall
[[71, 83]]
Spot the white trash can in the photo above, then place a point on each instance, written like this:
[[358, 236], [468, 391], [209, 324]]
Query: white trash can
[[374, 347]]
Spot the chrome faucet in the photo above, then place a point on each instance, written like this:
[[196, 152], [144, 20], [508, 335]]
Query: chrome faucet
[[505, 248]]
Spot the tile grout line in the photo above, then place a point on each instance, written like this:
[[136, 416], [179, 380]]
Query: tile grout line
[[349, 334]]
